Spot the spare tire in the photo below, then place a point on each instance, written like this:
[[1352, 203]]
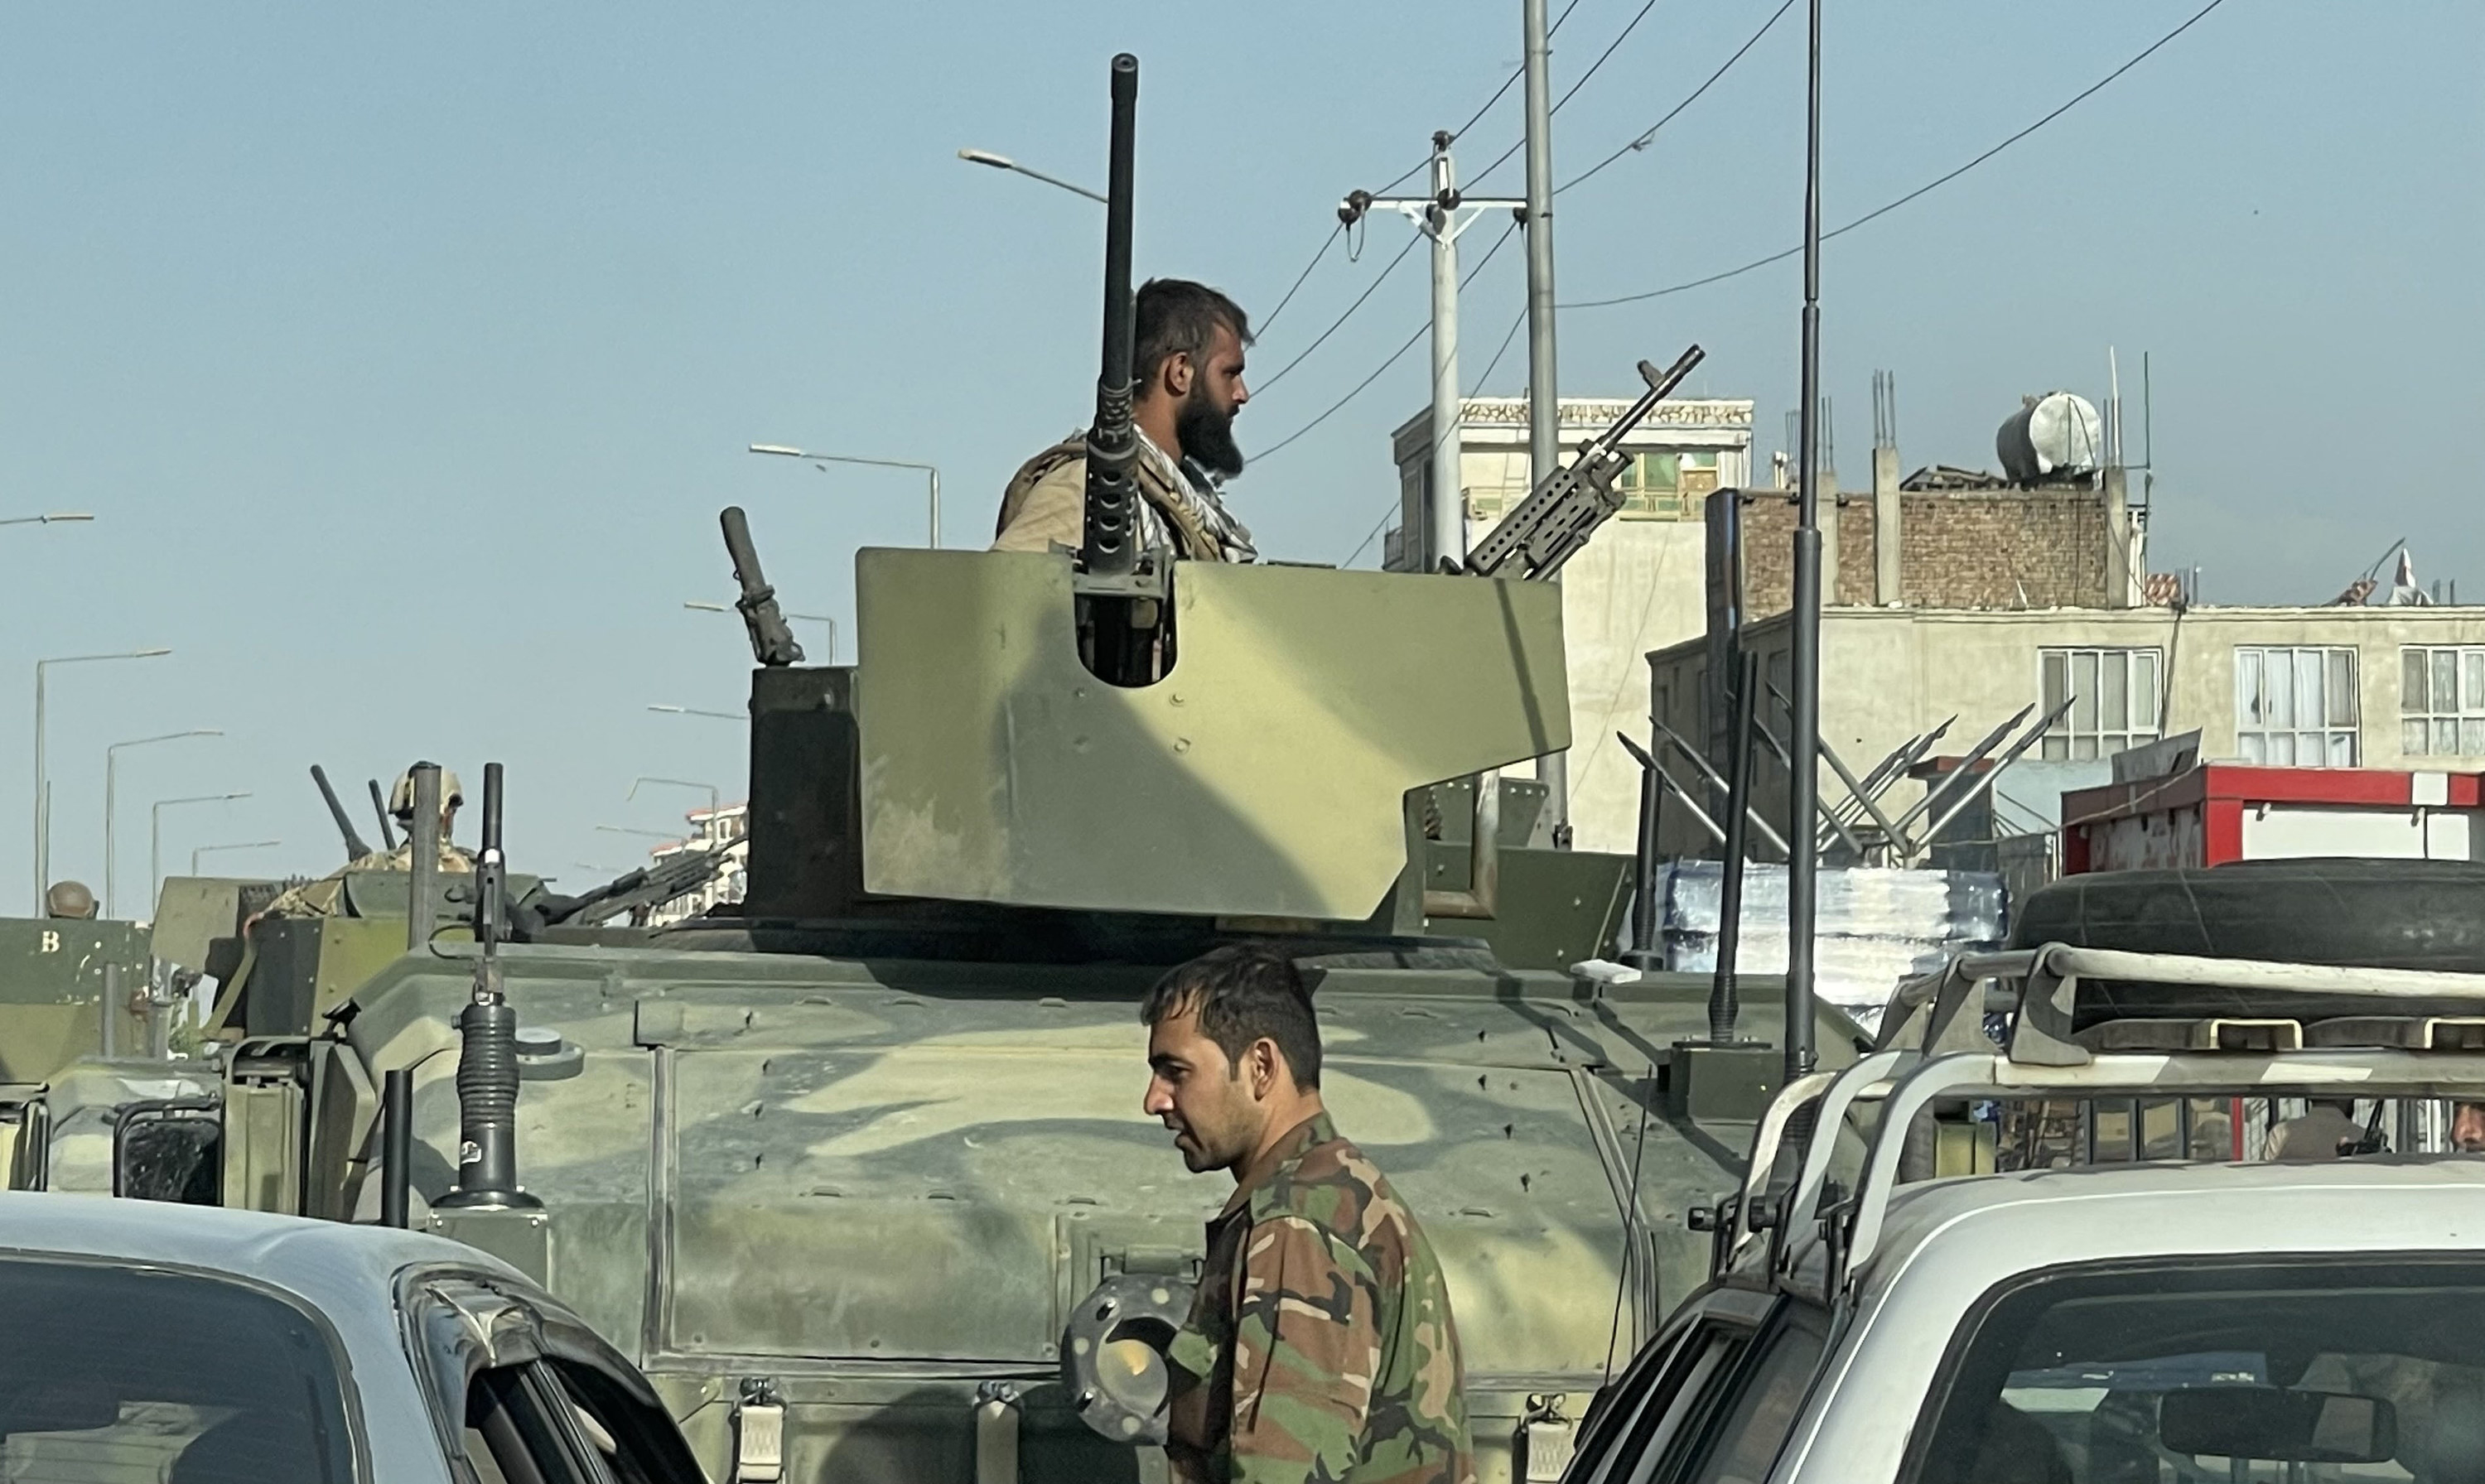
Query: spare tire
[[2339, 910]]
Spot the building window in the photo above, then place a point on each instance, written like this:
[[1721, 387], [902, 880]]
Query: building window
[[2296, 706], [2113, 695], [1666, 486], [2441, 701]]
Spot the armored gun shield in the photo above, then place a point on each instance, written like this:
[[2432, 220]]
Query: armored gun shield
[[1263, 776]]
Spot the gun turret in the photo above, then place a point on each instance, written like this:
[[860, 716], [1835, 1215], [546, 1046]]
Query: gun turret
[[1110, 547], [1556, 519], [647, 887], [355, 848], [772, 640]]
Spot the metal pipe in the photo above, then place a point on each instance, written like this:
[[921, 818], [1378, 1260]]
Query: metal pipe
[[1681, 794], [1643, 953], [1722, 1007], [1985, 784], [1938, 795], [1723, 785], [1803, 787], [423, 872], [396, 1145], [1445, 509], [1543, 401], [1109, 547], [1832, 823]]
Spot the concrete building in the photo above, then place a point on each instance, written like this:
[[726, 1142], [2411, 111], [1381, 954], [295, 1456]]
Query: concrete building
[[2341, 686], [727, 830], [1637, 586]]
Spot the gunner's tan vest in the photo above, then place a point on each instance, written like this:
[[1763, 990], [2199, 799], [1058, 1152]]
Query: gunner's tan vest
[[1067, 460]]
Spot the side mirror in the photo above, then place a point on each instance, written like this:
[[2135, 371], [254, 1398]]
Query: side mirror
[[169, 1150], [1114, 1355], [2285, 1426]]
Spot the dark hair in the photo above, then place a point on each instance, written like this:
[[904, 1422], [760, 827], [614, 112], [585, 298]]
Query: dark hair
[[1242, 992], [1178, 317]]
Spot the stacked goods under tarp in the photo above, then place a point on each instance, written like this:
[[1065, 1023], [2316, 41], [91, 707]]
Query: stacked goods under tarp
[[1875, 926]]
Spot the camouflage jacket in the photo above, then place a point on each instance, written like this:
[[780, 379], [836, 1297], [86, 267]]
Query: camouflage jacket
[[1320, 1347]]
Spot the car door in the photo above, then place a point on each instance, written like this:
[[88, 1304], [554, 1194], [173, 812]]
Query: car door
[[1637, 1419], [523, 1392]]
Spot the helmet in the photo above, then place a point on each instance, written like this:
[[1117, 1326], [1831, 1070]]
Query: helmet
[[69, 899], [401, 794]]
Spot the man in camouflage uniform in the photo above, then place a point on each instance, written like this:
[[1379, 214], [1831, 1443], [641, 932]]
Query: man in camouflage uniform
[[326, 895], [1187, 364], [1319, 1346]]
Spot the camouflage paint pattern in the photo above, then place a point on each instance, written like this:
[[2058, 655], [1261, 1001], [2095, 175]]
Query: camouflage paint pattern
[[879, 1183], [1321, 1346]]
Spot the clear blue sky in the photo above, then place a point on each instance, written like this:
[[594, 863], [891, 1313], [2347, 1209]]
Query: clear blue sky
[[406, 355]]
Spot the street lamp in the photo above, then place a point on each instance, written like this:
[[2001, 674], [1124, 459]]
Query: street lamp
[[156, 834], [242, 845], [822, 460], [47, 519], [692, 710], [800, 618], [42, 794], [714, 799], [1004, 162], [111, 771]]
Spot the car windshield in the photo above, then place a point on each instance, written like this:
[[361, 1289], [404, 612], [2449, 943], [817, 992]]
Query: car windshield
[[2297, 1372], [126, 1375]]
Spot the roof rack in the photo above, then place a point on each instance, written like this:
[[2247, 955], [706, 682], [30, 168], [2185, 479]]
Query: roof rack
[[2310, 1031]]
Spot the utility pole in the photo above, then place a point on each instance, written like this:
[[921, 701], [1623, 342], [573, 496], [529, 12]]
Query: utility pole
[[1441, 216], [1803, 786], [1543, 402]]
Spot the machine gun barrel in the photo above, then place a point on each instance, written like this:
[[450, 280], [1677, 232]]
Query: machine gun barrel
[[355, 848], [771, 639], [1109, 547], [1556, 519], [380, 807]]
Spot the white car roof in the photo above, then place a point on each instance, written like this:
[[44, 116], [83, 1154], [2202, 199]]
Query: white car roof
[[1948, 1243], [327, 1265], [2374, 1202]]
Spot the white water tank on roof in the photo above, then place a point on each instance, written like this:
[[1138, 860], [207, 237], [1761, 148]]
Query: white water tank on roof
[[2051, 437]]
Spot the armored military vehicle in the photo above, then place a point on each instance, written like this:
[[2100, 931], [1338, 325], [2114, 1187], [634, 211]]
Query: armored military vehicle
[[857, 1172]]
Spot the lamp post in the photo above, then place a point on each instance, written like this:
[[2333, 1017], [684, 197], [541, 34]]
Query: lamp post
[[156, 834], [692, 710], [111, 772], [800, 618], [1004, 162], [238, 845], [42, 794], [822, 460], [715, 799]]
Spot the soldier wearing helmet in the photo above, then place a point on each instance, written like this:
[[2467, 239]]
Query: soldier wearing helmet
[[325, 897], [69, 900]]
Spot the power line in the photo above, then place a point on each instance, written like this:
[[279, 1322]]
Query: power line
[[1317, 253], [1650, 134], [1481, 377], [1506, 233], [1573, 90], [1497, 95], [1930, 186], [1339, 323]]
